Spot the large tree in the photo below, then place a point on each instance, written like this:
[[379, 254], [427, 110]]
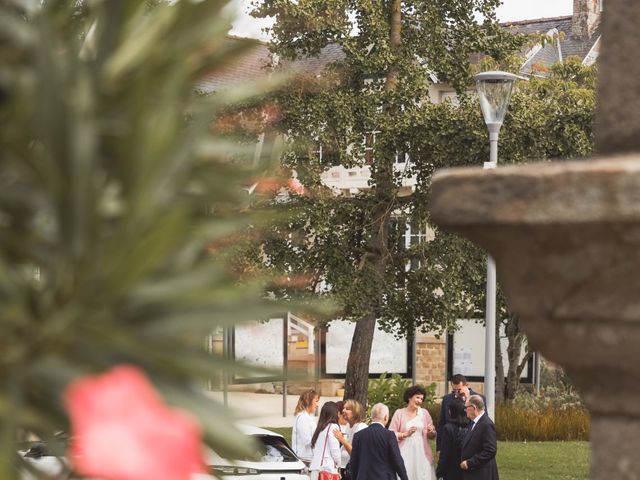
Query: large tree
[[365, 109]]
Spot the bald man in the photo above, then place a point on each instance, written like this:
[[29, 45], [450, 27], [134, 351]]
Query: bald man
[[375, 454]]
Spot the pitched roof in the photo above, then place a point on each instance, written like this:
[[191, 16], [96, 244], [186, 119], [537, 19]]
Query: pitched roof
[[315, 65], [570, 44], [259, 60], [254, 64]]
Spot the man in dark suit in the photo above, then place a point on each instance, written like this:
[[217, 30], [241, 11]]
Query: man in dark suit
[[375, 454], [479, 446], [459, 389]]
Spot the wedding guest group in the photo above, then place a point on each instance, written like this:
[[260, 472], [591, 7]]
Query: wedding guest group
[[342, 444]]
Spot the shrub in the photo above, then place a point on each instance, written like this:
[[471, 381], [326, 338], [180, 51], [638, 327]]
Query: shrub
[[550, 397], [390, 389], [556, 391], [434, 411]]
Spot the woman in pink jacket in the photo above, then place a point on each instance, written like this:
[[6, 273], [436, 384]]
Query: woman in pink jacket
[[414, 427]]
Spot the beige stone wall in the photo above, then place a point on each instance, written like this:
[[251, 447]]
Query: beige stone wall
[[431, 357]]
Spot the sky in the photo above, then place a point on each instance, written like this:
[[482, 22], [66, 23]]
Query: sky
[[510, 10]]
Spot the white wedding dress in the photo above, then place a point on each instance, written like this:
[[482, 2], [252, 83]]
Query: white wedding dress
[[412, 450]]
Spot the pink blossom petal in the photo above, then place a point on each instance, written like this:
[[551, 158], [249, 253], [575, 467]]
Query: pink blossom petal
[[295, 186], [123, 431]]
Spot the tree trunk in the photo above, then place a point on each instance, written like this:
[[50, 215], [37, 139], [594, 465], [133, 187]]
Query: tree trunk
[[357, 376], [395, 41], [356, 384], [516, 340]]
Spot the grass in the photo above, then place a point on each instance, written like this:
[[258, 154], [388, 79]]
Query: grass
[[532, 460], [543, 460]]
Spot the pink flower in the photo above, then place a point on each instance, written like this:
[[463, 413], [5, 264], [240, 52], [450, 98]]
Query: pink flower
[[123, 431], [295, 186]]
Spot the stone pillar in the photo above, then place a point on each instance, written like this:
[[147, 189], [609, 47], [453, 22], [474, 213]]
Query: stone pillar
[[618, 115], [431, 360], [585, 18], [566, 240]]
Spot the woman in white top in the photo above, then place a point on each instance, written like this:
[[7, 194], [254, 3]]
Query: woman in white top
[[304, 425], [326, 448], [353, 413]]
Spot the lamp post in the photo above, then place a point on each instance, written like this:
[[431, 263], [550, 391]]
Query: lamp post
[[494, 92]]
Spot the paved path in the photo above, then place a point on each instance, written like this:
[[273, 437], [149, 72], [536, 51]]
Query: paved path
[[263, 409]]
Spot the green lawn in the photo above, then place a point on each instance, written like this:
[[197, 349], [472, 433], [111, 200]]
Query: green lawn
[[532, 460], [543, 460]]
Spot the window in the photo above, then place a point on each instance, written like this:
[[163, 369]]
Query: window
[[414, 233], [449, 97], [274, 449], [402, 155], [417, 234], [369, 146], [270, 448], [318, 153], [326, 156]]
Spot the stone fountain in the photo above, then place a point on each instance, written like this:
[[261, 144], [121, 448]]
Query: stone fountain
[[566, 241]]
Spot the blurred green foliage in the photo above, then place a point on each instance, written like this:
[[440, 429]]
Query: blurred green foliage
[[116, 203]]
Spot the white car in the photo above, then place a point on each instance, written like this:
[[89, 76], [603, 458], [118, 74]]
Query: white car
[[42, 461], [274, 460]]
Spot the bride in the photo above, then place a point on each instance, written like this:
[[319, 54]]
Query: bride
[[413, 427]]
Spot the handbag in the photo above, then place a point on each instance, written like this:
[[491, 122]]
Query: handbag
[[345, 473], [323, 474]]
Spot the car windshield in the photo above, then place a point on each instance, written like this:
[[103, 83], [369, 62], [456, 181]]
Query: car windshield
[[272, 449]]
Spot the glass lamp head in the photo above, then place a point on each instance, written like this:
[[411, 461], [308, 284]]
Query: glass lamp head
[[494, 92]]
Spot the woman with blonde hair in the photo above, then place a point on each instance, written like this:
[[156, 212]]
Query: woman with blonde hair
[[353, 412], [304, 425]]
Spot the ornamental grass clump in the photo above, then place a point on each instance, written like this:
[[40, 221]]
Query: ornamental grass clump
[[518, 423]]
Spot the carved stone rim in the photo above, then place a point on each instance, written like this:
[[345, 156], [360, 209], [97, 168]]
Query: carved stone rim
[[586, 191]]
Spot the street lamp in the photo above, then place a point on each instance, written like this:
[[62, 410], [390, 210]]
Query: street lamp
[[494, 92]]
